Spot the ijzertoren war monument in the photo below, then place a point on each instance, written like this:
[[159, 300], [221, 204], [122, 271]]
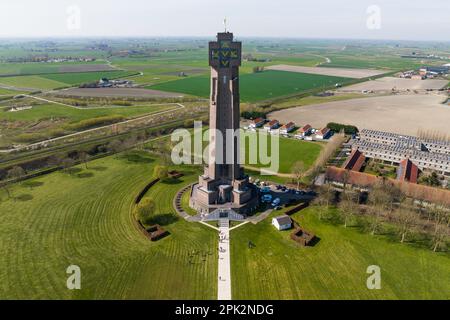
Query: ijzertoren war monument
[[223, 185]]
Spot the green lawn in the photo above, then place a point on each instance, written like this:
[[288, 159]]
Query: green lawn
[[335, 268], [58, 80], [290, 151], [85, 219], [255, 86], [84, 77], [32, 82], [47, 111]]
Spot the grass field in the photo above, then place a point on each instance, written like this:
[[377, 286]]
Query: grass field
[[255, 86], [46, 111], [335, 268], [31, 82], [84, 77], [90, 225], [290, 151], [31, 68], [58, 80]]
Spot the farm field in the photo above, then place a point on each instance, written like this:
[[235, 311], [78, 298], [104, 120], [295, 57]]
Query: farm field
[[73, 78], [386, 84], [335, 268], [403, 114], [35, 68], [45, 111], [256, 86], [30, 83], [117, 93], [90, 225], [50, 120], [336, 72], [58, 80]]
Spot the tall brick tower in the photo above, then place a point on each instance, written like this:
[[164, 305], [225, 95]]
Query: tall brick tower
[[223, 183], [225, 60]]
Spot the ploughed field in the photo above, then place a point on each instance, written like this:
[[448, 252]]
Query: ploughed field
[[403, 114]]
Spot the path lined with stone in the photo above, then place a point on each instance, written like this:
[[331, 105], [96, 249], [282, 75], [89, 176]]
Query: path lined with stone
[[224, 274]]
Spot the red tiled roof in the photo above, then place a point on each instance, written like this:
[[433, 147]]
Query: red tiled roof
[[407, 171], [354, 161], [273, 122], [324, 131], [305, 128], [413, 190], [288, 125], [257, 120]]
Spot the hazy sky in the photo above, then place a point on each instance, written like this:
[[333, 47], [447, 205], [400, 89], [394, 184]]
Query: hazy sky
[[373, 19]]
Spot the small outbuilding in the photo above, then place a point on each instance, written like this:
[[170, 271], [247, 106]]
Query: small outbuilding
[[283, 222]]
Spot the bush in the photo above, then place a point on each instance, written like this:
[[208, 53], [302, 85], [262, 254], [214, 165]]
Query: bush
[[95, 122], [337, 127], [145, 210]]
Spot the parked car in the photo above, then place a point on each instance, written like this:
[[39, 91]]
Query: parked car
[[265, 189], [266, 198], [276, 202]]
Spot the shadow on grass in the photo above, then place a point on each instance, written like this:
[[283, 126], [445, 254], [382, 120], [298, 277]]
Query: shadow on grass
[[85, 175], [99, 168], [163, 219], [24, 197], [32, 184], [314, 241], [137, 157], [73, 170], [171, 181]]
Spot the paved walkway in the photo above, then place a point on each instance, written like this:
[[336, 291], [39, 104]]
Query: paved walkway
[[224, 277]]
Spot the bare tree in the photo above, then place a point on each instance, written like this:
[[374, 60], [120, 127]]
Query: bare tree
[[348, 206], [439, 237], [15, 173], [324, 199], [83, 156], [298, 171], [406, 220], [67, 163]]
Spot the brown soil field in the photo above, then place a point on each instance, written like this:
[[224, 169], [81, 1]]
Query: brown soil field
[[86, 68], [336, 72], [388, 83], [117, 92], [403, 114]]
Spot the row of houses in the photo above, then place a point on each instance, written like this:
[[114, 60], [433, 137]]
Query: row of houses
[[305, 132], [411, 154]]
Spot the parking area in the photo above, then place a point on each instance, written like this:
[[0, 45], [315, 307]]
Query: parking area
[[277, 195]]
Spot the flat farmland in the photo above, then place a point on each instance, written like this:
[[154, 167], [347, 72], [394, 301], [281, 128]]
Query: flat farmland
[[73, 78], [336, 72], [404, 114], [34, 68], [117, 93], [256, 86], [45, 111], [31, 83], [58, 80], [388, 83]]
